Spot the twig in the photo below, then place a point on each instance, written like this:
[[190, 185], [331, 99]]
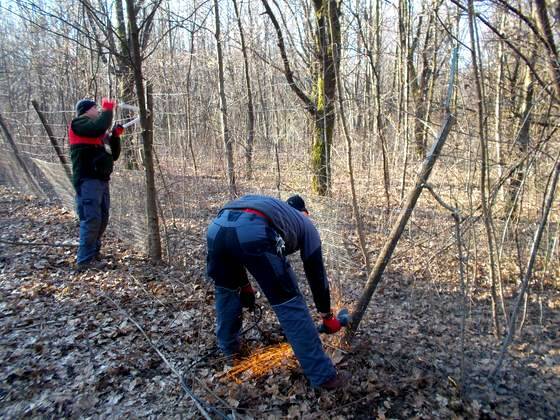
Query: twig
[[39, 244], [336, 348], [439, 199], [457, 218], [288, 73], [504, 38], [195, 399]]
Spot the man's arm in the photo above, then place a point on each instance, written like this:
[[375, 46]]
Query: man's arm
[[115, 141], [312, 258], [317, 278], [87, 127]]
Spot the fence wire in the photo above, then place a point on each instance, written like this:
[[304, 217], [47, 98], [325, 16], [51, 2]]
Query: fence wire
[[192, 187]]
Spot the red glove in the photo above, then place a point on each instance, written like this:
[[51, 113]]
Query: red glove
[[331, 324], [108, 104], [117, 130], [247, 297]]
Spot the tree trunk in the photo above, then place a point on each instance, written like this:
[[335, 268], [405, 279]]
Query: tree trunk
[[32, 181], [404, 27], [59, 153], [498, 101], [547, 205], [327, 39], [398, 228], [350, 167], [553, 58], [147, 124], [321, 106], [188, 114], [486, 209], [522, 140], [223, 106], [380, 121], [125, 82], [250, 108]]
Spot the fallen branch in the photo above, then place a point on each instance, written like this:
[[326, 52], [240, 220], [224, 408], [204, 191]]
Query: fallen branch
[[398, 228]]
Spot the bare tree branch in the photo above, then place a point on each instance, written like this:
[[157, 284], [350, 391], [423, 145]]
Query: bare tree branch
[[308, 103]]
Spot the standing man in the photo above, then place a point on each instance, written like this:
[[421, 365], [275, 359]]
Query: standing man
[[93, 151], [256, 233]]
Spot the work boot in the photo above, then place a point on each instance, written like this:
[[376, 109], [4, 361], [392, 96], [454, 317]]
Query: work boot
[[91, 265], [340, 380]]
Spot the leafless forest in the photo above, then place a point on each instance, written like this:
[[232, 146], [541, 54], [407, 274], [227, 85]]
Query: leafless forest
[[423, 134]]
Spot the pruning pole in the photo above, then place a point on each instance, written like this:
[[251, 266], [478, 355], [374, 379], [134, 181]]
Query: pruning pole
[[136, 120]]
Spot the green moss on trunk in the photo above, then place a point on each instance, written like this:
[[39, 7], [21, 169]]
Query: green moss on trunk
[[327, 46]]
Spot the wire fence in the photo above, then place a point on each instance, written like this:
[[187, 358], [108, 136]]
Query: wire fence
[[187, 202], [192, 187]]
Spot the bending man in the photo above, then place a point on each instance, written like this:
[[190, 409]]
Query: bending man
[[256, 233]]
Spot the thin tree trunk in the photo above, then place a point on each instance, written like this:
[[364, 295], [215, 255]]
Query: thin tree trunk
[[355, 206], [32, 181], [147, 124], [486, 210], [403, 31], [223, 106], [250, 108], [57, 149], [498, 101], [378, 107], [375, 64], [522, 139], [125, 80], [553, 58], [548, 200], [420, 82], [188, 105]]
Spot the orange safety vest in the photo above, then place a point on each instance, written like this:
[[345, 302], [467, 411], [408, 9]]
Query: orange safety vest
[[76, 139]]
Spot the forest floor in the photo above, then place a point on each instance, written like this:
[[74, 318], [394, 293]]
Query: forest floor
[[84, 344]]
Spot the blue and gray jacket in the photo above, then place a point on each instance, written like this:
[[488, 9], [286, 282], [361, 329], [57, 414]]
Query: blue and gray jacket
[[298, 233]]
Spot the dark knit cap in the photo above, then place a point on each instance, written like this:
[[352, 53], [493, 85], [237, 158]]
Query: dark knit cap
[[84, 105], [297, 203]]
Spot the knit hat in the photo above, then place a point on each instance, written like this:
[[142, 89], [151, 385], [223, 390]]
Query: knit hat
[[297, 203], [84, 105]]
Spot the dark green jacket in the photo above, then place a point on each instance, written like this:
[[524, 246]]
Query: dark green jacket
[[93, 161]]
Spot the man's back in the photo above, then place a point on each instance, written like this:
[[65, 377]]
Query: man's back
[[292, 225]]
